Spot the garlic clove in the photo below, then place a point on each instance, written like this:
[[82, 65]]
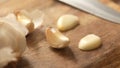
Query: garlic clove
[[89, 42], [23, 18], [35, 17], [67, 22], [56, 38]]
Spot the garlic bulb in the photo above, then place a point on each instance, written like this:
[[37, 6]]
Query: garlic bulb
[[12, 39]]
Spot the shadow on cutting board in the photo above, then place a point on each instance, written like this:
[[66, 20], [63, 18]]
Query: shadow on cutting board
[[116, 1], [22, 63], [66, 53]]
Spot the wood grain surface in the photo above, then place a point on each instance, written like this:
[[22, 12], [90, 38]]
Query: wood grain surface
[[40, 55]]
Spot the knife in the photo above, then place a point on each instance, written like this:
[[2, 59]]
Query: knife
[[95, 7]]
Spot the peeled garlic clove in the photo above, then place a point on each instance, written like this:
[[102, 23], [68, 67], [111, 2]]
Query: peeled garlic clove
[[56, 39], [89, 42], [67, 22], [23, 18]]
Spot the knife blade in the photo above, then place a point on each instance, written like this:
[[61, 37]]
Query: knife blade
[[95, 7]]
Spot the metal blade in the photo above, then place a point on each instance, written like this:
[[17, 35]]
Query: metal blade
[[97, 8]]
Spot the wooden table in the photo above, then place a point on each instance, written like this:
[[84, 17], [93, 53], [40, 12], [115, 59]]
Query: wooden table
[[40, 55]]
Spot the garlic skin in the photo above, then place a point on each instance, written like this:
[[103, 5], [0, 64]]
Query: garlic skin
[[31, 20], [67, 22], [56, 38], [12, 39], [90, 42], [25, 21]]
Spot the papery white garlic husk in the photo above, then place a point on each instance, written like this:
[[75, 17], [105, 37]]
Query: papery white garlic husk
[[12, 39], [25, 21], [35, 17]]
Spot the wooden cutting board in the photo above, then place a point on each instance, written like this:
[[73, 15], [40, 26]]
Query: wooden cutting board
[[40, 55]]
